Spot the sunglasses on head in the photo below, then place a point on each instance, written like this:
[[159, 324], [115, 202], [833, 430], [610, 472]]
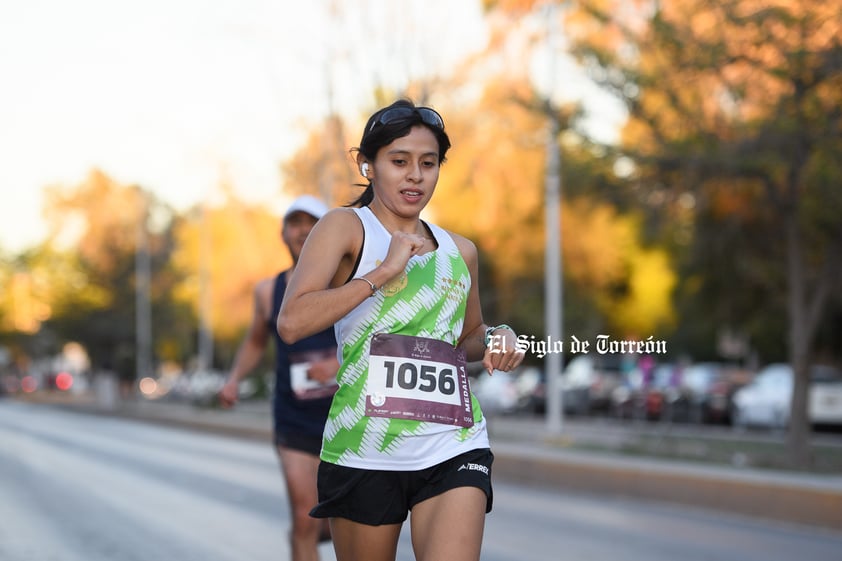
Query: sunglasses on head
[[428, 116]]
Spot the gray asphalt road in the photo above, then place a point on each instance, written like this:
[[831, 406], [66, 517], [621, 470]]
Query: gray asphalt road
[[79, 487]]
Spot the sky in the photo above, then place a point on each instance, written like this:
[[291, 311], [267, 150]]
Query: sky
[[177, 95]]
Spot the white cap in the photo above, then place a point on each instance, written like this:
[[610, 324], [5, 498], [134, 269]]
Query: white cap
[[309, 204]]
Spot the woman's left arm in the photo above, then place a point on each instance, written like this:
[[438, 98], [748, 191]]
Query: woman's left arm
[[503, 354]]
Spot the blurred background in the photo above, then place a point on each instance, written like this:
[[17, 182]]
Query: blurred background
[[148, 150]]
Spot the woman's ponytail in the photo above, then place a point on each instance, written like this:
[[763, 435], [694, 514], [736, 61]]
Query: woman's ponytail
[[365, 198]]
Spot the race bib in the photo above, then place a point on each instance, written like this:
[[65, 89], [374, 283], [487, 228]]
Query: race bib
[[303, 386], [418, 378]]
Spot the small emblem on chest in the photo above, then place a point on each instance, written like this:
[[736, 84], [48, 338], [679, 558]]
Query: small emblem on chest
[[395, 285]]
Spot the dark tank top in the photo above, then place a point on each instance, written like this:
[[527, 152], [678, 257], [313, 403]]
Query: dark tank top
[[291, 414]]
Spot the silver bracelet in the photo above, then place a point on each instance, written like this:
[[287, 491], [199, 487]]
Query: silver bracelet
[[489, 331], [371, 284]]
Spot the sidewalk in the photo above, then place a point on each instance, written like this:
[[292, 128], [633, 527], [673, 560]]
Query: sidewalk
[[526, 454]]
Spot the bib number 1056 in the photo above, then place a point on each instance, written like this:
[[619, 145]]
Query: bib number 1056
[[425, 378], [419, 379]]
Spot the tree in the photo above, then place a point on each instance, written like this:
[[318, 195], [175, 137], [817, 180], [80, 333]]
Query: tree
[[86, 271], [323, 166], [232, 245], [25, 289], [738, 104], [496, 170]]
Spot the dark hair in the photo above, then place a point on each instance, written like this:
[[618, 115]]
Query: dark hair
[[376, 135]]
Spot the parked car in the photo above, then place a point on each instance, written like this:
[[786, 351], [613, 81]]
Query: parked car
[[627, 401], [825, 397], [588, 383], [709, 389], [507, 392], [531, 389], [766, 401], [497, 394], [656, 396], [665, 398]]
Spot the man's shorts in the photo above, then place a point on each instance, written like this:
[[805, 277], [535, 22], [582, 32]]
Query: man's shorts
[[302, 442], [377, 497]]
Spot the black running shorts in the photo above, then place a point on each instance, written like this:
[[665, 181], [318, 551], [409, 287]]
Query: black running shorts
[[376, 497]]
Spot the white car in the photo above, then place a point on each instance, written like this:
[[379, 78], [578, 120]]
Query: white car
[[497, 394], [765, 402], [825, 397]]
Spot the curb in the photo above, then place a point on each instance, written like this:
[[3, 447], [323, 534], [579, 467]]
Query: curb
[[783, 498]]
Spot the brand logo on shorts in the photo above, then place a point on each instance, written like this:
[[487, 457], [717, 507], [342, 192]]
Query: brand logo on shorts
[[474, 467]]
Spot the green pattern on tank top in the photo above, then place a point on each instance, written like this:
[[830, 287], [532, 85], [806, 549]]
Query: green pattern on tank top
[[432, 304]]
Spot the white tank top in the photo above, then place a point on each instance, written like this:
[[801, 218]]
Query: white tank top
[[428, 301]]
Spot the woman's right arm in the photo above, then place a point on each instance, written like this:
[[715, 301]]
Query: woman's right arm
[[310, 304], [317, 295]]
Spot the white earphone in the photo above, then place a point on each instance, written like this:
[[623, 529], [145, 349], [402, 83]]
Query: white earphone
[[364, 169]]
